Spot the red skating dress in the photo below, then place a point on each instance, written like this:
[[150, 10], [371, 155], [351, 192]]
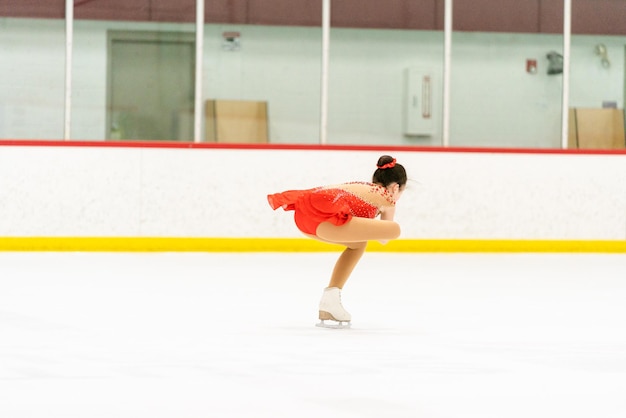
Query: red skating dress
[[336, 204]]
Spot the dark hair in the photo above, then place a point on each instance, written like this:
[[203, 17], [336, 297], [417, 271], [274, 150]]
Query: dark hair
[[391, 173]]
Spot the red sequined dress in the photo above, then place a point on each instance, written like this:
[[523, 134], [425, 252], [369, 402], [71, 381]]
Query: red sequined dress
[[336, 204]]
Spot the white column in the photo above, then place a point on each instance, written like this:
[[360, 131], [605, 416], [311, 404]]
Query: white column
[[325, 53], [198, 114], [447, 59], [567, 35], [69, 46]]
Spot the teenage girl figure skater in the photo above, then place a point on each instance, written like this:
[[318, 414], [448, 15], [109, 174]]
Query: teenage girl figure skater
[[345, 214]]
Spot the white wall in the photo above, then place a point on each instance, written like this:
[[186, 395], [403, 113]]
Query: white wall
[[160, 192], [494, 101]]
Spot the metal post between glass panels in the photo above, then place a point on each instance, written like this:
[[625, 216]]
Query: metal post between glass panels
[[69, 42], [197, 118], [567, 14], [447, 53], [324, 75]]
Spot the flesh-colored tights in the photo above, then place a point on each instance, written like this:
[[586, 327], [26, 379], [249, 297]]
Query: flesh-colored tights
[[354, 236]]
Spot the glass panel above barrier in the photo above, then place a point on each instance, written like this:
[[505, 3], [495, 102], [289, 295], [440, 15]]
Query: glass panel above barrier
[[385, 87], [597, 75], [133, 71], [596, 104], [133, 67], [32, 75], [506, 89], [262, 84]]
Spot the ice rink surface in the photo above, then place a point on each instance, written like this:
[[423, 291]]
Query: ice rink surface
[[232, 335]]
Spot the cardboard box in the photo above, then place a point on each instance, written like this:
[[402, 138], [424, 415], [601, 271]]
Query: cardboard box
[[596, 129], [236, 121]]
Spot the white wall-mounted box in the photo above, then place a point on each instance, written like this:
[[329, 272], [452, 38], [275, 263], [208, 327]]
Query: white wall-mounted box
[[418, 102]]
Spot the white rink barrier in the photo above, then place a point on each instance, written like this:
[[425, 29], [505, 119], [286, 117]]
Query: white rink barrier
[[144, 196]]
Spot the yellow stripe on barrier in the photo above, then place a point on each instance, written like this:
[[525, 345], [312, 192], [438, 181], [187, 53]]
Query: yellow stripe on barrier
[[176, 244]]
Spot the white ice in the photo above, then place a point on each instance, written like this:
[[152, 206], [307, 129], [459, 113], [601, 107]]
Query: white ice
[[233, 335]]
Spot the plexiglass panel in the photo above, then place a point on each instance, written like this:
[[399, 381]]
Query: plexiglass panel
[[134, 62], [32, 77], [385, 87], [266, 78], [133, 73], [506, 89], [597, 91], [505, 92]]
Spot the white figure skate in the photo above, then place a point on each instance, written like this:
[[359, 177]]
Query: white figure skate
[[332, 310]]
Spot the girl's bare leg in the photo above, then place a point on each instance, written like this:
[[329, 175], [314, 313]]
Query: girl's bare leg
[[354, 235], [346, 263]]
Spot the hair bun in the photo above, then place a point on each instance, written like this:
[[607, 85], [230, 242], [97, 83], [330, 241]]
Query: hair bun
[[386, 161]]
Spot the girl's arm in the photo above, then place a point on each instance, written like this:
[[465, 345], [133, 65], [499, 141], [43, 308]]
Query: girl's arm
[[387, 215]]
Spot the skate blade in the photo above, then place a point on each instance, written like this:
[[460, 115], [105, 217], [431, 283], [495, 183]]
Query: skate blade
[[334, 324]]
